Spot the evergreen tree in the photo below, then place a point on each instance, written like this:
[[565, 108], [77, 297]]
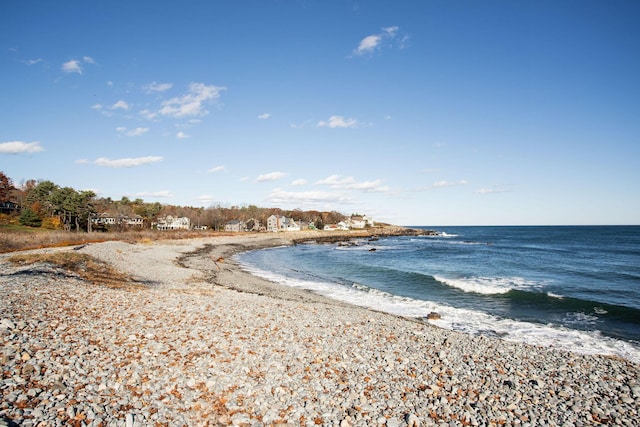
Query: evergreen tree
[[30, 218]]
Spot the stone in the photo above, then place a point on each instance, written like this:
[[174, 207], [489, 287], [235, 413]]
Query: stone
[[412, 420], [434, 316]]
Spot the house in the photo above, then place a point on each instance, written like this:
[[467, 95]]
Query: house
[[136, 221], [8, 207], [106, 219], [252, 224], [339, 226], [359, 221], [281, 223], [170, 222], [234, 226]]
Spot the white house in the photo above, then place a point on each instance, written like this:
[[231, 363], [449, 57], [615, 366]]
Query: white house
[[359, 221], [173, 223], [281, 223]]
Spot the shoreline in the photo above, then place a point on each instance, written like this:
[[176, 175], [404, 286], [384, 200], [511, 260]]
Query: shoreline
[[206, 343]]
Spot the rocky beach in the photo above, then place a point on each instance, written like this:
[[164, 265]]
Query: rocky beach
[[200, 342]]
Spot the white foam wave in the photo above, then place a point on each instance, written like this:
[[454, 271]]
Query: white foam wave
[[445, 234], [465, 320], [488, 285]]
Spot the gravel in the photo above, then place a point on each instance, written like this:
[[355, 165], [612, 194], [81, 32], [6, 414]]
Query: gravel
[[205, 344]]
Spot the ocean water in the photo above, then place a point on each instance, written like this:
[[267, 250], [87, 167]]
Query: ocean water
[[574, 288]]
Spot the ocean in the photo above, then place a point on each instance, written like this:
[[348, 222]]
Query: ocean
[[575, 288]]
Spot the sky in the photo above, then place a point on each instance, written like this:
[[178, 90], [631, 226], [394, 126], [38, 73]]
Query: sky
[[412, 112]]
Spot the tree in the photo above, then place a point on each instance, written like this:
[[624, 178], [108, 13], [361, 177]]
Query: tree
[[30, 218], [6, 188]]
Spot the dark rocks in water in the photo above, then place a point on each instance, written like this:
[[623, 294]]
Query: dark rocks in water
[[372, 250], [434, 316]]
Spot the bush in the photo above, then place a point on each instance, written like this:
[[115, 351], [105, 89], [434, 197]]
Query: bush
[[52, 223], [29, 218]]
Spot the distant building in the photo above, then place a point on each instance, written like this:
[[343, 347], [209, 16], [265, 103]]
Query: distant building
[[170, 222], [234, 226], [281, 223]]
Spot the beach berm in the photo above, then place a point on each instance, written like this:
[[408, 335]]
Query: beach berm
[[197, 341]]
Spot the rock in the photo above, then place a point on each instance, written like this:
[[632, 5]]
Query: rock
[[434, 316], [412, 420], [7, 324]]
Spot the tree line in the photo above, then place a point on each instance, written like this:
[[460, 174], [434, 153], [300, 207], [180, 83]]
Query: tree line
[[47, 205]]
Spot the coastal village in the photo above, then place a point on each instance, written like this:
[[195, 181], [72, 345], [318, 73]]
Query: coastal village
[[275, 223]]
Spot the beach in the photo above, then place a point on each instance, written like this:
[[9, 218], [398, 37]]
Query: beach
[[200, 342]]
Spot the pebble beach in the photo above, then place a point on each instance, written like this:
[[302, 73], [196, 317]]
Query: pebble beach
[[203, 343]]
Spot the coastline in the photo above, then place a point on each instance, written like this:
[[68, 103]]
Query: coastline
[[206, 343]]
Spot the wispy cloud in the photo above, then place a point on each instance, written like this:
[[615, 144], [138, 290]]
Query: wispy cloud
[[72, 66], [307, 198], [216, 169], [132, 132], [272, 176], [34, 61], [444, 184], [299, 182], [122, 105], [182, 135], [17, 147], [75, 65], [374, 42], [496, 189], [264, 116], [155, 87], [338, 122], [127, 162], [192, 103], [163, 194], [350, 183]]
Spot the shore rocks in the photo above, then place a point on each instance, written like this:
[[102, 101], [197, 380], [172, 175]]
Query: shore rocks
[[185, 351]]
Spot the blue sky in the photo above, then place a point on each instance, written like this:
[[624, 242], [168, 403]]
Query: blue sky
[[413, 112]]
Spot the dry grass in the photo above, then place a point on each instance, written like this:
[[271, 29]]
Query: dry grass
[[89, 268], [13, 241]]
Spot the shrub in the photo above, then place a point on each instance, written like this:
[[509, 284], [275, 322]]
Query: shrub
[[29, 218]]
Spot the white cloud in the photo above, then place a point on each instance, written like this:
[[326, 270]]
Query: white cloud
[[205, 199], [34, 61], [191, 104], [374, 42], [264, 116], [132, 132], [299, 182], [368, 44], [137, 131], [282, 197], [494, 190], [17, 147], [182, 135], [272, 176], [157, 87], [155, 194], [149, 115], [96, 107], [444, 184], [72, 66], [120, 105], [216, 169], [338, 122], [349, 183], [127, 162]]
